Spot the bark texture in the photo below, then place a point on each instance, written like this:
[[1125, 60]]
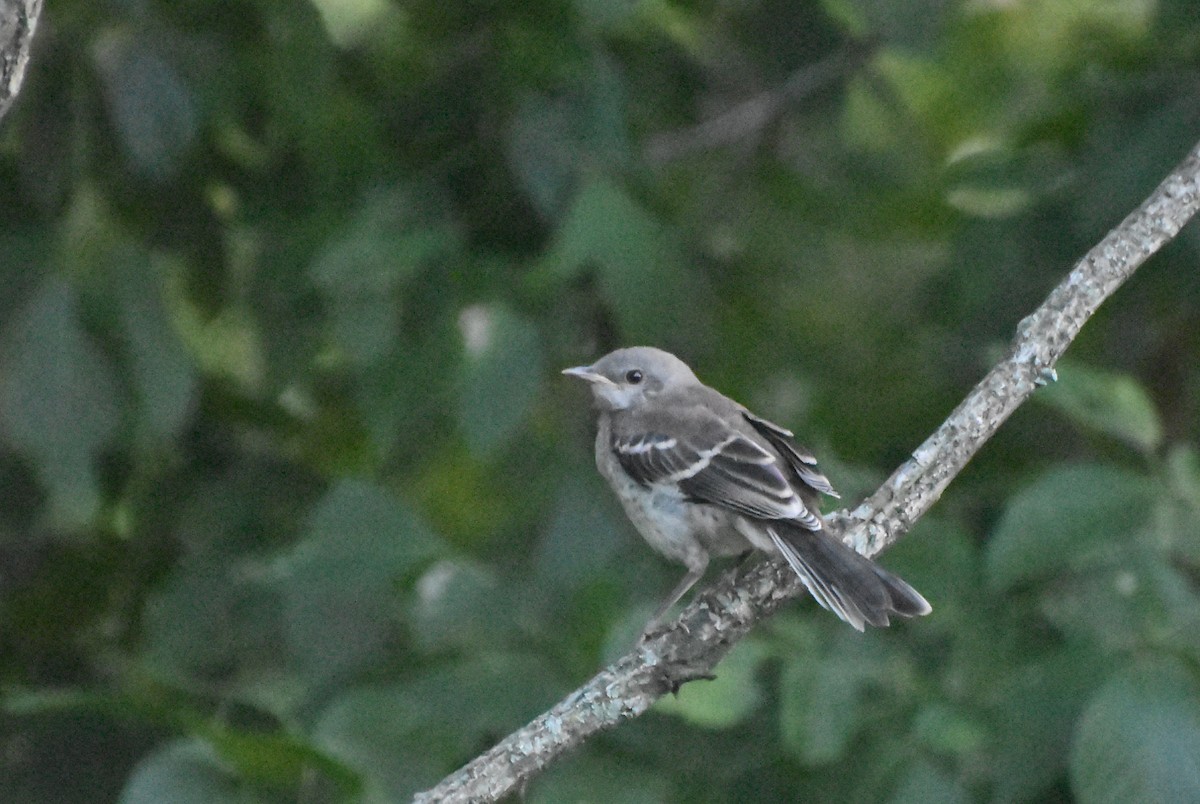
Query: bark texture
[[728, 609], [18, 21]]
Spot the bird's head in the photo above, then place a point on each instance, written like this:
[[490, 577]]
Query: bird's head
[[626, 378]]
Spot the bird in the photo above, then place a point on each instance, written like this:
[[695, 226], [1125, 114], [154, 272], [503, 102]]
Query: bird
[[700, 476]]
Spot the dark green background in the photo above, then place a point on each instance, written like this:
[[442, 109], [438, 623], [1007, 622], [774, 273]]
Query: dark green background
[[294, 505]]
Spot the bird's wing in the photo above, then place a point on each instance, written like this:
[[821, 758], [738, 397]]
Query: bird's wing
[[803, 462], [711, 462]]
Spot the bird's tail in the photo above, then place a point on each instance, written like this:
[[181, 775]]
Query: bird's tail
[[850, 585]]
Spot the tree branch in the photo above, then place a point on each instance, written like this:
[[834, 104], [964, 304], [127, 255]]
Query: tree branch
[[727, 610], [751, 116], [18, 20]]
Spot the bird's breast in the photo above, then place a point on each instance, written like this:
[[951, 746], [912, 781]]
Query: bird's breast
[[680, 529]]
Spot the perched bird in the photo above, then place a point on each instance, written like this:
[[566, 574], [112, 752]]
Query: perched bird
[[701, 476]]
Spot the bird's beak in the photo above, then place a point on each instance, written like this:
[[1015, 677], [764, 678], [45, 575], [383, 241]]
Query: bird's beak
[[586, 373]]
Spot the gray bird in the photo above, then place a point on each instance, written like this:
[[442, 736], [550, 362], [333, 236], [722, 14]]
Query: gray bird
[[700, 476]]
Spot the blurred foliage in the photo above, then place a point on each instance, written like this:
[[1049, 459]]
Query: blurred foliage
[[294, 506]]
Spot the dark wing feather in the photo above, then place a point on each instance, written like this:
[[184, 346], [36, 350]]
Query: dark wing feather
[[710, 462], [651, 457], [803, 462], [759, 490]]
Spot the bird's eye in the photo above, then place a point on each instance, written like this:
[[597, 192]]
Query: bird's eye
[[633, 377]]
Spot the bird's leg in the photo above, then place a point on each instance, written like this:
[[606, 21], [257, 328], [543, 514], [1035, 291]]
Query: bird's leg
[[694, 574]]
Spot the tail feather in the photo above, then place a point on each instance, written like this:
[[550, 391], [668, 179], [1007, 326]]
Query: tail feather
[[850, 585]]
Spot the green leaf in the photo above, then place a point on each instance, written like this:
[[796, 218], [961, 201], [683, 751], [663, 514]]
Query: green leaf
[[582, 536], [162, 373], [415, 383], [1139, 739], [333, 134], [274, 759], [589, 778], [27, 702], [1183, 473], [542, 152], [404, 737], [463, 498], [941, 559], [278, 760], [183, 772], [461, 605], [612, 18], [353, 24], [553, 141], [58, 400], [948, 730], [394, 234], [364, 328], [821, 702], [868, 122], [728, 699], [984, 180], [1107, 402], [925, 88], [339, 581], [1135, 598], [819, 711], [376, 731], [926, 784], [486, 695], [1068, 518], [604, 226], [501, 378], [1177, 517], [227, 346], [189, 627], [1035, 709], [641, 267], [150, 106], [848, 15]]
